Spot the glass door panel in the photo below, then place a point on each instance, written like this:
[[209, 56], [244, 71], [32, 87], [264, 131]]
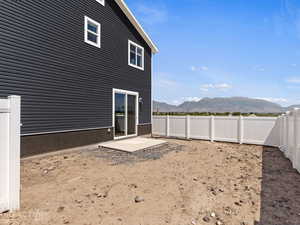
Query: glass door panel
[[131, 114], [120, 115]]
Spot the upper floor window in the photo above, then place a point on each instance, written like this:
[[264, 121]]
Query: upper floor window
[[102, 2], [135, 55], [92, 32]]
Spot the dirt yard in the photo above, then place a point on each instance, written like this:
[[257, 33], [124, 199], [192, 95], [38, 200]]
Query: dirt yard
[[183, 183]]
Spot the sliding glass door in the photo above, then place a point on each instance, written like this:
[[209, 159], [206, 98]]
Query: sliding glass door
[[125, 113], [120, 114], [131, 114]]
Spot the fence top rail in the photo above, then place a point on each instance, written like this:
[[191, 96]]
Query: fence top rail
[[260, 118], [4, 110], [227, 117], [219, 117], [177, 117], [159, 116], [200, 117]]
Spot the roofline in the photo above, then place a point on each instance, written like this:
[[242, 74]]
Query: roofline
[[137, 25]]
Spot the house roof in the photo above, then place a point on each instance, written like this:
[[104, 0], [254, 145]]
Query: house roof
[[137, 25]]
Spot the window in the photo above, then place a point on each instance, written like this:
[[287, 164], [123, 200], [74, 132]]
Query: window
[[135, 55], [92, 32], [102, 2]]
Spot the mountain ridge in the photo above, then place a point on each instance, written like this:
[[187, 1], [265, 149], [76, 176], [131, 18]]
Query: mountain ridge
[[219, 105]]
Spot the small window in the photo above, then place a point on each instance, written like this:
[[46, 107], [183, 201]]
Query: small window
[[102, 2], [135, 55], [92, 32]]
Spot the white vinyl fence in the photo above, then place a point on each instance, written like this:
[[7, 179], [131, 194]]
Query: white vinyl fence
[[10, 153], [248, 130], [282, 131], [290, 136]]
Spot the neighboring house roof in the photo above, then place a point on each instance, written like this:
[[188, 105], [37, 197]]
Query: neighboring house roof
[[137, 25]]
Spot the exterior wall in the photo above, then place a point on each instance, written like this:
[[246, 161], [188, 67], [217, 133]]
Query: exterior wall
[[39, 144], [44, 143], [144, 129], [65, 83]]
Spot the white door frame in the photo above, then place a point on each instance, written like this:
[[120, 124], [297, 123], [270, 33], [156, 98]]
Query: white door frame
[[120, 91]]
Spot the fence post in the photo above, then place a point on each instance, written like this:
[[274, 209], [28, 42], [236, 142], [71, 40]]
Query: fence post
[[212, 128], [296, 131], [168, 126], [287, 133], [14, 152], [187, 127], [280, 121], [283, 133], [241, 129]]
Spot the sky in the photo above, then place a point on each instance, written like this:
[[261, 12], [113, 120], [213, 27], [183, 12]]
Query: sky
[[223, 48]]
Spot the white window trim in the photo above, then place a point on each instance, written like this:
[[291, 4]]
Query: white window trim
[[102, 2], [120, 91], [143, 55], [86, 40]]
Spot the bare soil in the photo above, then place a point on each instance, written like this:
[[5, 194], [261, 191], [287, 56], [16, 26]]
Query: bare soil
[[182, 183]]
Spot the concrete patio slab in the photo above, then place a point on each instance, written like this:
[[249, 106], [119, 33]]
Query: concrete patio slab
[[132, 144]]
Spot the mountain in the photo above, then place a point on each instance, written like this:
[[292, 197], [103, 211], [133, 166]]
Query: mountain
[[234, 104], [164, 107], [292, 107]]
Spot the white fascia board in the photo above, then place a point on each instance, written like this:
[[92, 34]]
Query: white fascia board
[[137, 25]]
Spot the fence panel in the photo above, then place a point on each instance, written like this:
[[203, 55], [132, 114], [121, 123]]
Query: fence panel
[[282, 132], [250, 130], [4, 156], [290, 136], [200, 127], [226, 129], [9, 153], [177, 126], [160, 125], [261, 131]]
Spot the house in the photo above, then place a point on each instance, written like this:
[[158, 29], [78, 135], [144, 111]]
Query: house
[[82, 67]]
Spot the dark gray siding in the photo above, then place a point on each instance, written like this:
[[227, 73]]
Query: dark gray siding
[[65, 83]]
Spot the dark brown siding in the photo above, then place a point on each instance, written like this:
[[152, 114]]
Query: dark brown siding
[[45, 143], [144, 129], [39, 144], [66, 84]]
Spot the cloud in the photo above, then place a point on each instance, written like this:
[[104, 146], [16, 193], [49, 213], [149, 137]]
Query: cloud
[[221, 87], [287, 20], [276, 100], [151, 15], [200, 68], [193, 68], [165, 83], [191, 99], [176, 102], [186, 99], [294, 80], [259, 68], [293, 64]]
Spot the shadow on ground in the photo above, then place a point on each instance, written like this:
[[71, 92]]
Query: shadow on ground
[[280, 194]]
